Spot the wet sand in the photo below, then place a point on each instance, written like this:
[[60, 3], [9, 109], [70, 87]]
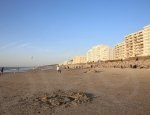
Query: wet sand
[[116, 91]]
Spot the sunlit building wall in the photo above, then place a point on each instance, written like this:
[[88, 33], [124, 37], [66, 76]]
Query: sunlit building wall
[[134, 44], [146, 40], [79, 59], [120, 51], [100, 53]]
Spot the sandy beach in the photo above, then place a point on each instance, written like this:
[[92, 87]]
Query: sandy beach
[[115, 91]]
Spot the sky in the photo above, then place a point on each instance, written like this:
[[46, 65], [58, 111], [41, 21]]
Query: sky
[[43, 32]]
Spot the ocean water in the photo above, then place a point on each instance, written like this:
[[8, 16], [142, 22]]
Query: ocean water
[[25, 69], [16, 69]]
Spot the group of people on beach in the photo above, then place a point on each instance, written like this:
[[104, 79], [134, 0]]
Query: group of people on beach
[[2, 71]]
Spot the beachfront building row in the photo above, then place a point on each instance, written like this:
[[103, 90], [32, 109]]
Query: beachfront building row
[[135, 44], [76, 60], [96, 53], [99, 53]]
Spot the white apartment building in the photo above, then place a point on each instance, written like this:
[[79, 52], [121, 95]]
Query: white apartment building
[[79, 60], [134, 44], [120, 51], [138, 43], [99, 52], [111, 54], [146, 40]]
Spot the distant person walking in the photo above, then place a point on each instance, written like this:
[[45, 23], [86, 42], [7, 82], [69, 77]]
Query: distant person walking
[[58, 69], [2, 71]]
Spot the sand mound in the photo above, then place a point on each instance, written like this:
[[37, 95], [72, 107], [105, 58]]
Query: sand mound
[[61, 97], [51, 102]]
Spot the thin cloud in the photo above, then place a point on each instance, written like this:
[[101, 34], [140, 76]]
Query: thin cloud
[[16, 44], [24, 45], [9, 45]]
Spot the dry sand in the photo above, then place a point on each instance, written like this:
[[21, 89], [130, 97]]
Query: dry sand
[[115, 91]]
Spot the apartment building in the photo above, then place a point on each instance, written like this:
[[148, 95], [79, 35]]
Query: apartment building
[[119, 51], [146, 40], [106, 53], [99, 52], [79, 59], [134, 44], [111, 54]]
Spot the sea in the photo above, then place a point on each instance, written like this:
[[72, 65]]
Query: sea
[[16, 69], [25, 69]]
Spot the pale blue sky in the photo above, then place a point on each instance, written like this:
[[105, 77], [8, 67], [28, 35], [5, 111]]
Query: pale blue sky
[[38, 32]]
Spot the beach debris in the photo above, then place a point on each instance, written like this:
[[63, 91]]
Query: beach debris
[[66, 98], [92, 71]]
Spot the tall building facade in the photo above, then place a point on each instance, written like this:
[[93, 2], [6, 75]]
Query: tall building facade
[[135, 44], [119, 51], [146, 40], [138, 43], [99, 53], [79, 60]]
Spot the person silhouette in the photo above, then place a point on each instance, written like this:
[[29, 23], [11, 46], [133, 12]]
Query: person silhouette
[[2, 70], [58, 69]]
